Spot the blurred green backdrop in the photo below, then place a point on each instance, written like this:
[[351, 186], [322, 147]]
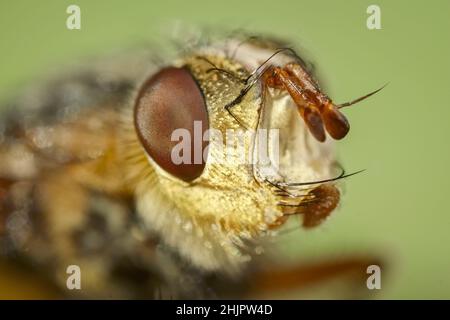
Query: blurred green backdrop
[[399, 206]]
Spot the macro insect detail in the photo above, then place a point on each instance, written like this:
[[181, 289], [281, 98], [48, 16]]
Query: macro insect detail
[[87, 173]]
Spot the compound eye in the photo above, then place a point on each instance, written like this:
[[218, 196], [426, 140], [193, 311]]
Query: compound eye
[[169, 100]]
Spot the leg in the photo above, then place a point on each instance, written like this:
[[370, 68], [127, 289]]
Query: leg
[[340, 278]]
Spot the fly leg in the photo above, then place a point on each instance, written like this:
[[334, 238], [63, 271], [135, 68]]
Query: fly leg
[[337, 276]]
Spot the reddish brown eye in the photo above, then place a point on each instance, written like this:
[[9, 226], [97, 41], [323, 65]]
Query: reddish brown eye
[[171, 99]]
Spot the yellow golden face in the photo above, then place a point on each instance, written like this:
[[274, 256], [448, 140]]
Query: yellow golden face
[[210, 209]]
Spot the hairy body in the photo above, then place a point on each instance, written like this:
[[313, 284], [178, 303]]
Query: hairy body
[[79, 185]]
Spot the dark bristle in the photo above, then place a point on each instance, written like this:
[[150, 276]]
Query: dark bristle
[[297, 184], [346, 104]]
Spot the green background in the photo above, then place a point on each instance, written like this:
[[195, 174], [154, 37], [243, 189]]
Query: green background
[[400, 206]]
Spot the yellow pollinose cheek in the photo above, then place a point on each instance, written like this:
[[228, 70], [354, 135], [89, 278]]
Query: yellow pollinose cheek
[[247, 209]]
